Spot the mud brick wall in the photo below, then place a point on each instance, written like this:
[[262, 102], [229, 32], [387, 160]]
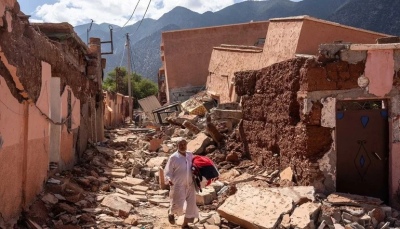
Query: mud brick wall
[[278, 135], [26, 49]]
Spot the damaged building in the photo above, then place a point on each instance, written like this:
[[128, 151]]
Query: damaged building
[[265, 43], [51, 104]]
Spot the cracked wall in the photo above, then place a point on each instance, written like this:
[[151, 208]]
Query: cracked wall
[[29, 64], [289, 112]]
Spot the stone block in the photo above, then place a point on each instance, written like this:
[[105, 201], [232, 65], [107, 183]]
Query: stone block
[[353, 57], [140, 188], [116, 203], [130, 181], [245, 177], [249, 203], [352, 200], [206, 197], [229, 176], [227, 114], [155, 144], [287, 174], [199, 144], [156, 161], [305, 216]]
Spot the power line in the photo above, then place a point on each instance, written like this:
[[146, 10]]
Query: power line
[[148, 5], [122, 58], [131, 15]]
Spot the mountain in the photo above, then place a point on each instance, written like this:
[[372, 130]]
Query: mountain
[[376, 15]]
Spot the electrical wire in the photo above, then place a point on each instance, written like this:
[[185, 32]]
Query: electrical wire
[[148, 5], [123, 55], [131, 15]]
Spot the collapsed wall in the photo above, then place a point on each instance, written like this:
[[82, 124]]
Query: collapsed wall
[[283, 129]]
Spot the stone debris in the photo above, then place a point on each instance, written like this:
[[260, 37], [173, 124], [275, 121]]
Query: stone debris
[[119, 184]]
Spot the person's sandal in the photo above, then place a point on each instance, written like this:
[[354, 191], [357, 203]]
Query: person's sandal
[[171, 218]]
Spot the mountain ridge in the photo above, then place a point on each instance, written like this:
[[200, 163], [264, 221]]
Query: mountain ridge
[[376, 15]]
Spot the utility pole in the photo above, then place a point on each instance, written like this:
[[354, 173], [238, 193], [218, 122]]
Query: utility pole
[[128, 47]]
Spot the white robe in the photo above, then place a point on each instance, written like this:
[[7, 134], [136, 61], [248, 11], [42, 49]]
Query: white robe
[[178, 171]]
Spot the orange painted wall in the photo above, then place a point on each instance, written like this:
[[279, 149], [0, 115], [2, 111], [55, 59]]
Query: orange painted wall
[[187, 52], [223, 65], [314, 33], [281, 41]]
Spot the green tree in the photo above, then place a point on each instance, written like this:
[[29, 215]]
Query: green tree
[[117, 81]]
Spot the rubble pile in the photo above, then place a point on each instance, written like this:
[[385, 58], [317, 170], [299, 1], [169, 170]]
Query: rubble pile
[[120, 184]]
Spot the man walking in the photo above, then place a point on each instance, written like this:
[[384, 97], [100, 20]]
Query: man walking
[[178, 174]]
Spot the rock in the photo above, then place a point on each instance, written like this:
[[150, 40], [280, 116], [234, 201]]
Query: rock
[[213, 132], [115, 173], [66, 208], [352, 200], [356, 211], [128, 198], [116, 203], [338, 226], [131, 181], [131, 220], [385, 225], [50, 199], [249, 203], [86, 218], [227, 114], [285, 223], [353, 226], [191, 127], [207, 196], [198, 145], [158, 201], [156, 161], [158, 192], [304, 216], [208, 226], [140, 188], [107, 151], [217, 185], [245, 177], [232, 157], [155, 144], [230, 175], [287, 174], [378, 214], [210, 149], [95, 211], [110, 219]]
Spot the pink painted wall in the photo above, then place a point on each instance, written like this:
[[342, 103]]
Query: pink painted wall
[[223, 64], [11, 153], [37, 153], [379, 69], [67, 152], [187, 52], [281, 41]]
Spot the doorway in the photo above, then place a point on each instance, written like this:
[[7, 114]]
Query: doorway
[[362, 139]]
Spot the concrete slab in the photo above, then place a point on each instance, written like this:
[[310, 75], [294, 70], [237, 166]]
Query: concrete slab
[[305, 216], [253, 207]]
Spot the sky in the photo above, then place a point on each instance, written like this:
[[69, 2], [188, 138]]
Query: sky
[[117, 12]]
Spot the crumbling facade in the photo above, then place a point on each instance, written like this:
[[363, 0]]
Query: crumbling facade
[[331, 118], [285, 38], [116, 109], [50, 104]]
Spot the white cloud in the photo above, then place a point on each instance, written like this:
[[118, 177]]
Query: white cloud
[[117, 12]]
